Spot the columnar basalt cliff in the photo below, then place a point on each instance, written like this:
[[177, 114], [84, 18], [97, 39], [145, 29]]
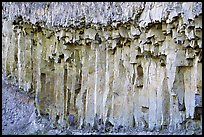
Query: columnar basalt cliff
[[108, 64]]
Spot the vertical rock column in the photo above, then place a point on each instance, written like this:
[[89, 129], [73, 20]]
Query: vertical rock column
[[37, 65], [100, 80], [91, 86], [108, 92], [118, 87], [83, 98], [28, 58]]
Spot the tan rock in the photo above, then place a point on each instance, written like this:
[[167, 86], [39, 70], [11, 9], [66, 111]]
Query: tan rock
[[141, 71]]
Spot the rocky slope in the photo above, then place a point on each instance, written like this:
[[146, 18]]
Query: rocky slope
[[110, 65], [17, 109]]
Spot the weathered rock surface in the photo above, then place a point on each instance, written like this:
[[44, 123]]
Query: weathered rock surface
[[100, 65]]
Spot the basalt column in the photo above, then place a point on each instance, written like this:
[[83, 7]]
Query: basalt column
[[107, 66]]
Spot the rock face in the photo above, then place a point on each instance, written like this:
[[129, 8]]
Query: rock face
[[100, 64]]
